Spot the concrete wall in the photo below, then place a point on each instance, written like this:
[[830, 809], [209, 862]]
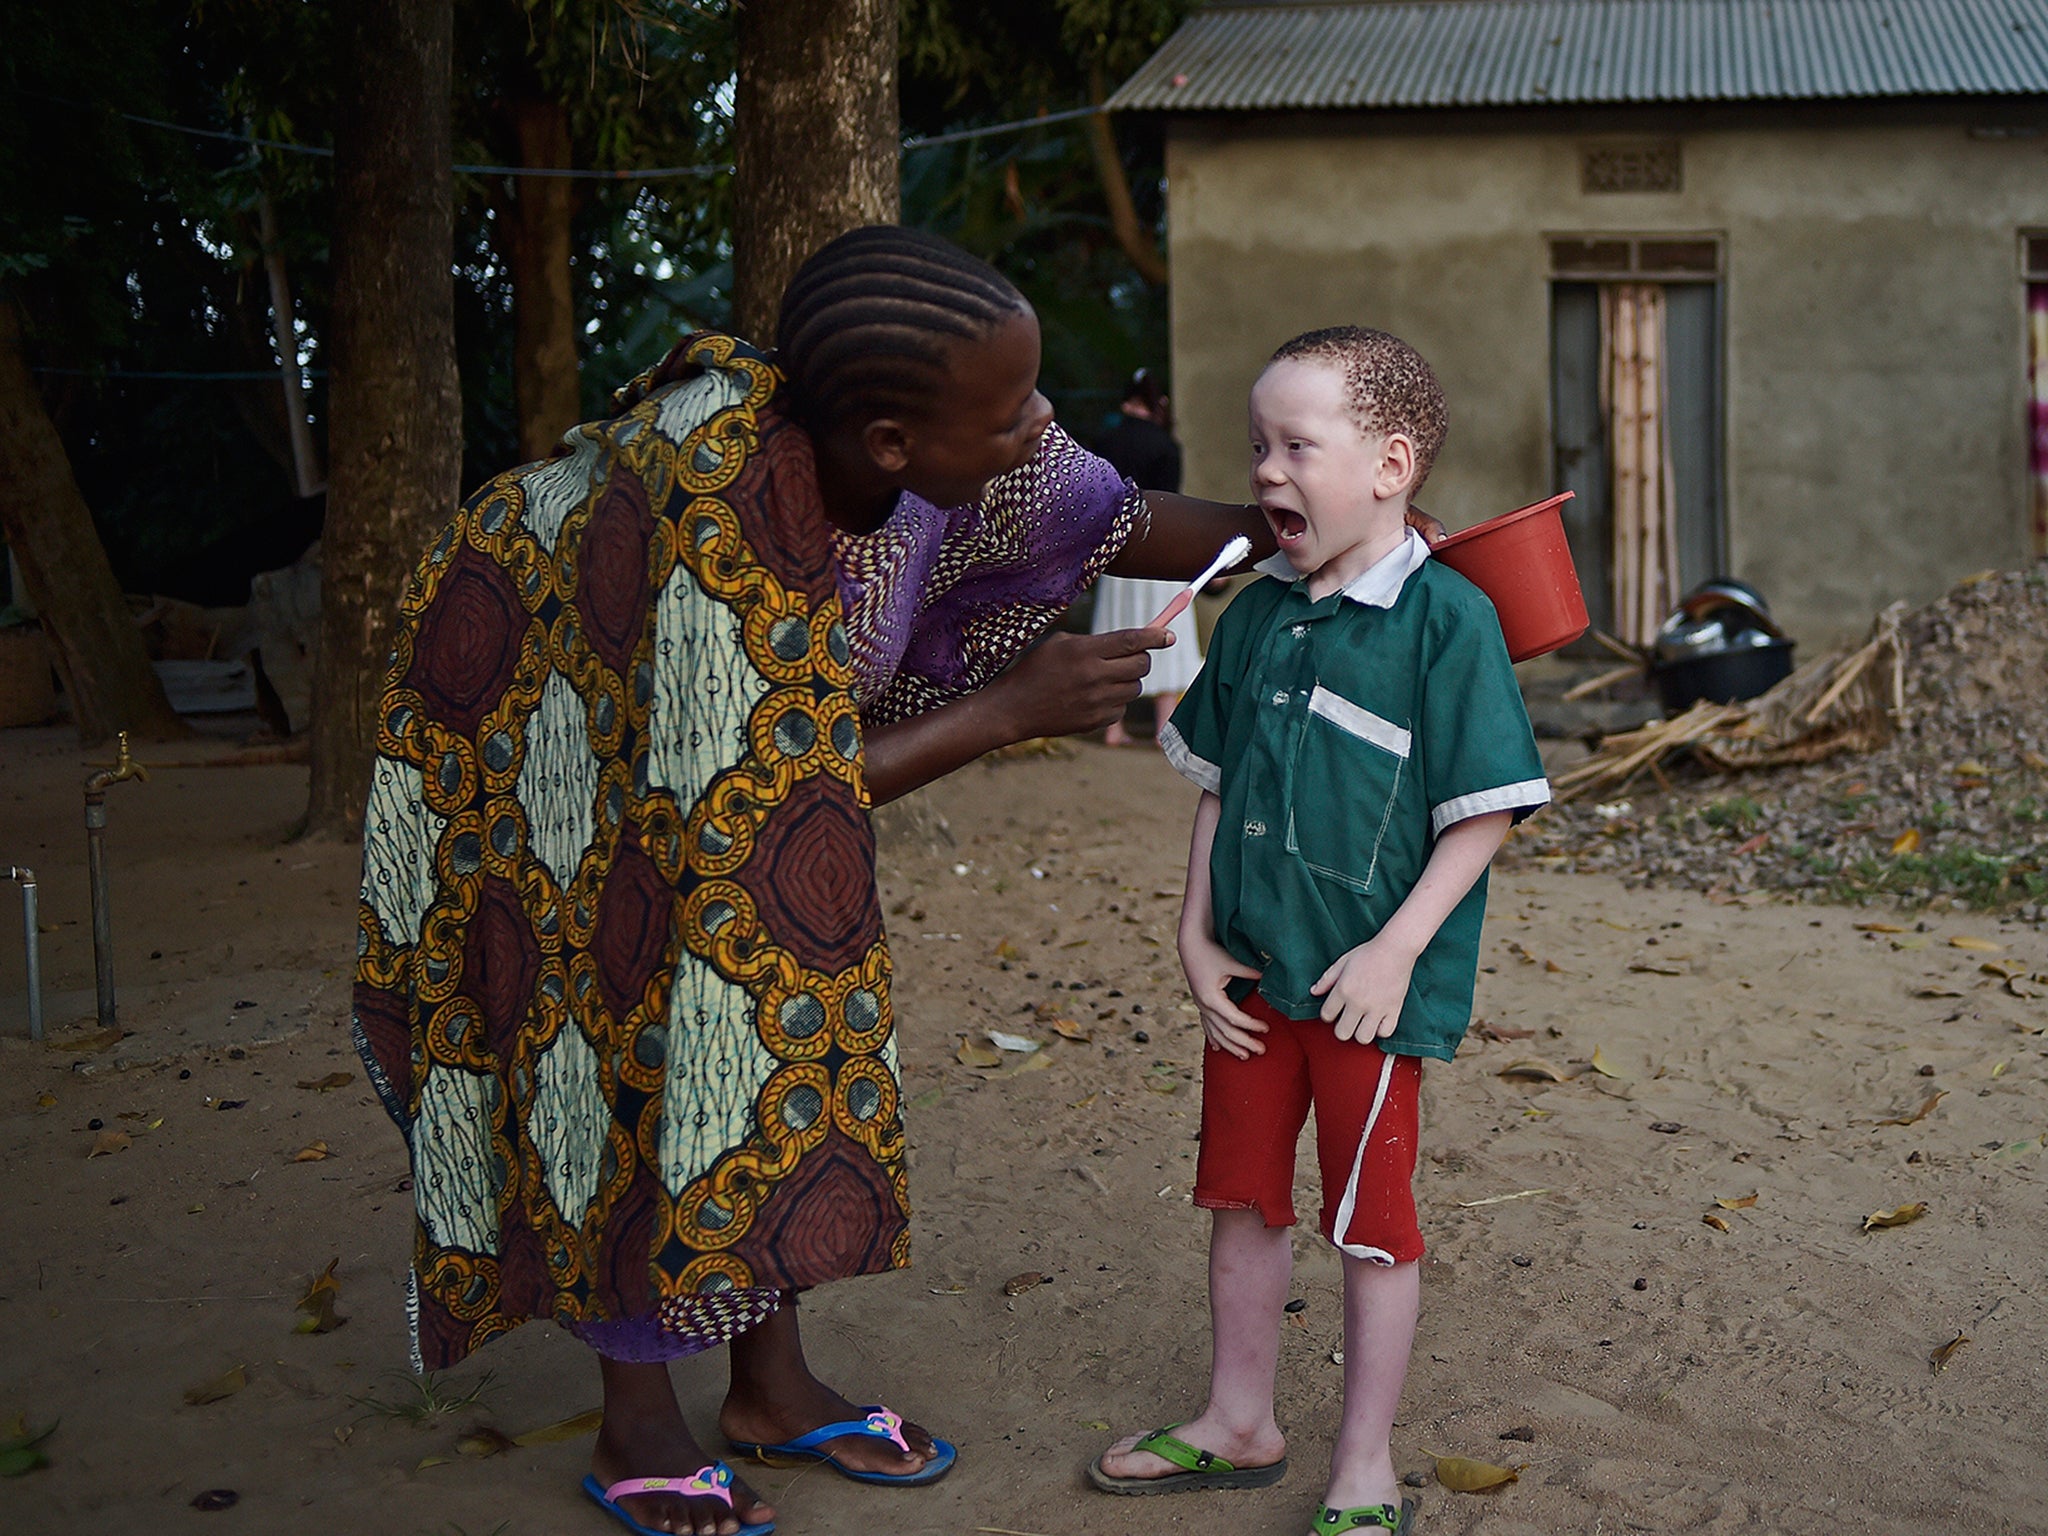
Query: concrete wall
[[1875, 354]]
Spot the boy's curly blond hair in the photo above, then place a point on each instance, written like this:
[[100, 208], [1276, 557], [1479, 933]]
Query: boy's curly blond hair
[[1389, 386]]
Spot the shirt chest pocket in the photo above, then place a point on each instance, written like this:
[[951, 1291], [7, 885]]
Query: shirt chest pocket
[[1343, 781]]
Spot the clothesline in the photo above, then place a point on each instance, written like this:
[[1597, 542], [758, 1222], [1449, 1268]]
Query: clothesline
[[573, 173]]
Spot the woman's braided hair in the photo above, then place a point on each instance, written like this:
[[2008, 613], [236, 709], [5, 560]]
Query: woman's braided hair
[[867, 321]]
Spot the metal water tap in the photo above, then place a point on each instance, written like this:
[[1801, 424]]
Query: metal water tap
[[123, 767]]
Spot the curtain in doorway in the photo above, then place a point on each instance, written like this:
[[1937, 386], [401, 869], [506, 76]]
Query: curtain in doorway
[[1633, 396], [2037, 411]]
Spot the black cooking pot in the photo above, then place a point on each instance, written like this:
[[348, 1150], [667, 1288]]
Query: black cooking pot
[[1723, 677]]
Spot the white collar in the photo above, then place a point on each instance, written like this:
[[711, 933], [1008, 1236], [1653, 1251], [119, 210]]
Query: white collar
[[1379, 585]]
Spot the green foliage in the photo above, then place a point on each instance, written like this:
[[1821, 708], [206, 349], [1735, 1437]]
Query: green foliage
[[132, 249], [1033, 204], [1989, 882], [1736, 813]]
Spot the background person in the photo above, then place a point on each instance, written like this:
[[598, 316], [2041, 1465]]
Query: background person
[[1140, 443]]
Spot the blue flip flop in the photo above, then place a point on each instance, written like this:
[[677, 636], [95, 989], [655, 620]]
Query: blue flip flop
[[712, 1482], [881, 1423]]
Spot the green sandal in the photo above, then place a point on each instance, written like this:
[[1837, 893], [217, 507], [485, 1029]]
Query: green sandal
[[1201, 1469], [1382, 1517]]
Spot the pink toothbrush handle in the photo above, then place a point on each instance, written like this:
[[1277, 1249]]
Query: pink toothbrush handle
[[1173, 609]]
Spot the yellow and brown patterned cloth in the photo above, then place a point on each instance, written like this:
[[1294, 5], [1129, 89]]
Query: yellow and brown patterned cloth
[[621, 975]]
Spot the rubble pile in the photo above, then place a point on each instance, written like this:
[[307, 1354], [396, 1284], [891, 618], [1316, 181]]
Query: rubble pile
[[1952, 810]]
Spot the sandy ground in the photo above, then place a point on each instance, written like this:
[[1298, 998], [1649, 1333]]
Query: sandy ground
[[1663, 1375]]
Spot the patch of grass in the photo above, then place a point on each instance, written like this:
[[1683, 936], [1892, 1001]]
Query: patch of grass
[[1989, 882], [1736, 813], [424, 1399]]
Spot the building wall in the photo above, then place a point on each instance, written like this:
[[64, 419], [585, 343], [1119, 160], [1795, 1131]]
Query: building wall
[[1875, 354]]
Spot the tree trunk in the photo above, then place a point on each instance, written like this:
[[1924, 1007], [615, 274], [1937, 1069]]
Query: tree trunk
[[394, 433], [535, 221], [63, 565], [816, 132], [1137, 242]]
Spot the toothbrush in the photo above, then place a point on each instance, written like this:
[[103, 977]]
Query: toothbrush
[[1230, 554]]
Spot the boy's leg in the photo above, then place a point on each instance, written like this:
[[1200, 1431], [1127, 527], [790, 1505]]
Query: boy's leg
[[1368, 1115], [1252, 1112], [1380, 1306], [1249, 1267]]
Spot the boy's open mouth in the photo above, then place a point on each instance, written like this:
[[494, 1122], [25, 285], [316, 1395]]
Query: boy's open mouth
[[1289, 526]]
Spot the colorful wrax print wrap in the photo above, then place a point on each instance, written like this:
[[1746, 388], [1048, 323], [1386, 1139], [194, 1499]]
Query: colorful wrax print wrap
[[621, 977]]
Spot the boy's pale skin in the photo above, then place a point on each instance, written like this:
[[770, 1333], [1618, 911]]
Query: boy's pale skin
[[1335, 496]]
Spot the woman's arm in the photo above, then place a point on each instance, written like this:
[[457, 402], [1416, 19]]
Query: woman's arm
[[1187, 531], [1065, 684]]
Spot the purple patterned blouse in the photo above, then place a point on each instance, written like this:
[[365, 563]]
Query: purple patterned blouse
[[939, 601]]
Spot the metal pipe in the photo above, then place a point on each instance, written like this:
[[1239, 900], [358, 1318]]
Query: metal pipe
[[124, 767], [32, 945]]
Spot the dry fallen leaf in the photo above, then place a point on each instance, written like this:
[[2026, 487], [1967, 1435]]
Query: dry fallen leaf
[[320, 1314], [220, 1387], [1926, 1108], [1657, 967], [331, 1080], [46, 1100], [107, 1143], [1907, 841], [318, 1303], [1601, 1065], [312, 1152], [1008, 951], [973, 1053], [483, 1441], [1718, 1223], [1017, 1285], [1038, 1061], [1741, 1204], [1941, 1357], [1004, 1041], [1536, 1069], [1880, 927], [1935, 989], [1068, 1029], [1898, 1216], [1969, 941], [2005, 970], [1462, 1474]]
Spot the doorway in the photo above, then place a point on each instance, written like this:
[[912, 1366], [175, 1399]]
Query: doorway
[[1687, 391]]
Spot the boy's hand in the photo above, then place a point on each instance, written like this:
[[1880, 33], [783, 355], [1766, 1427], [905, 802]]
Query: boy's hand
[[1363, 991], [1208, 966]]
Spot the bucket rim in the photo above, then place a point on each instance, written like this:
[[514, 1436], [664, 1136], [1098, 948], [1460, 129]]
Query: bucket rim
[[1493, 524]]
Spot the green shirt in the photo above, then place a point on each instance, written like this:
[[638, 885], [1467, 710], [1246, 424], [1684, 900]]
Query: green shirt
[[1343, 735]]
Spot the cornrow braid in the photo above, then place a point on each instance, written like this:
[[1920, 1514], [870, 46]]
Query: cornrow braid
[[867, 321], [1387, 384]]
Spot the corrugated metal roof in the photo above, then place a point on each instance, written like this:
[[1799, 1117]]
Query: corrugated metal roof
[[1502, 53]]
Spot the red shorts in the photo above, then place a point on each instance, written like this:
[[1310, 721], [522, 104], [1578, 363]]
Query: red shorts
[[1366, 1108]]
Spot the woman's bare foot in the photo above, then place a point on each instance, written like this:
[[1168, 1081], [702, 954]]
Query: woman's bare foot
[[774, 1398], [1243, 1449], [643, 1435]]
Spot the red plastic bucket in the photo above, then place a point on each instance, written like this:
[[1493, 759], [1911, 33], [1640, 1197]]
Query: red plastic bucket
[[1521, 561]]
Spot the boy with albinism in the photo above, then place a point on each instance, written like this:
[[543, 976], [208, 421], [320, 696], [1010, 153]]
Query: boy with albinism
[[1362, 749]]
